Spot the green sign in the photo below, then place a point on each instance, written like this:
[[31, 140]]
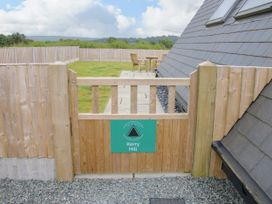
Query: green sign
[[133, 136]]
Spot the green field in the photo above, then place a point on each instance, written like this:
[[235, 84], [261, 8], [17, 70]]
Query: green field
[[96, 69]]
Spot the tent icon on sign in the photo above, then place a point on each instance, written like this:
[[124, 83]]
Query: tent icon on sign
[[133, 132]]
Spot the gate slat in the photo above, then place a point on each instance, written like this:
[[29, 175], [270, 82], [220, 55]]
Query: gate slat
[[234, 97], [114, 99], [248, 83], [95, 99], [133, 99], [171, 99], [260, 81], [152, 103]]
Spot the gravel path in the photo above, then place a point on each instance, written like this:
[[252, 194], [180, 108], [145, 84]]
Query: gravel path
[[127, 191], [162, 93]]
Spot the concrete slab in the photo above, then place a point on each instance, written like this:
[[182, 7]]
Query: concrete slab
[[159, 175], [130, 175], [27, 168], [104, 176], [143, 95]]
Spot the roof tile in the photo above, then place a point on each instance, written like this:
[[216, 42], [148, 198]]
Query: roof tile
[[261, 173], [245, 41]]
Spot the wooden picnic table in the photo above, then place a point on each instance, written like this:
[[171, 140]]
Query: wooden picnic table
[[150, 58]]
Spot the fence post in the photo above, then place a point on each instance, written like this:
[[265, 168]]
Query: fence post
[[192, 120], [73, 105], [61, 122], [205, 118]]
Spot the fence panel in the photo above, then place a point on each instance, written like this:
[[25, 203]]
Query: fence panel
[[53, 54], [34, 114], [96, 157], [38, 54], [236, 88], [116, 55]]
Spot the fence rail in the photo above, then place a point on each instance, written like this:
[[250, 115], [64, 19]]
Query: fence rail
[[111, 81], [171, 83], [135, 116]]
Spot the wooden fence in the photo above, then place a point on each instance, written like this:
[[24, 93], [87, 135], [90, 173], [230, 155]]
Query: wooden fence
[[91, 137], [39, 102], [224, 94], [34, 114], [117, 55], [70, 54], [38, 54]]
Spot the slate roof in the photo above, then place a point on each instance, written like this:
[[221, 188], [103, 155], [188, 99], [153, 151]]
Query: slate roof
[[250, 144], [246, 41]]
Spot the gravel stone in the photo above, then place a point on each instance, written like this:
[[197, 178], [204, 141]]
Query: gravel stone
[[127, 191], [162, 93]]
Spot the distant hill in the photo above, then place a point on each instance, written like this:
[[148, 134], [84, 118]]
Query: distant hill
[[57, 38], [149, 39], [129, 40]]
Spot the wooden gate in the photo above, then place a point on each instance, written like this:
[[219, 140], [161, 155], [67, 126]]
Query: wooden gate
[[91, 131]]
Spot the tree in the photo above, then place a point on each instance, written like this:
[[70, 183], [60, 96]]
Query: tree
[[17, 38], [3, 40], [12, 39], [167, 43], [111, 40]]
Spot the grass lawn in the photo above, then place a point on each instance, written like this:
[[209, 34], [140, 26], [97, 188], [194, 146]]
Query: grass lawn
[[96, 69]]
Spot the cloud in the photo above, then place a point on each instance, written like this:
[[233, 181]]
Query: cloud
[[88, 18], [169, 17], [93, 18], [123, 22]]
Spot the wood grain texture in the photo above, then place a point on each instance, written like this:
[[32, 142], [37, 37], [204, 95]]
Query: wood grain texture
[[192, 121], [234, 98], [38, 54], [152, 99], [109, 81], [260, 81], [133, 99], [36, 112], [147, 157], [247, 89], [269, 75], [114, 99], [221, 102], [61, 121], [27, 130], [73, 103], [171, 99], [96, 156], [234, 95], [4, 133], [205, 118], [133, 116], [95, 99]]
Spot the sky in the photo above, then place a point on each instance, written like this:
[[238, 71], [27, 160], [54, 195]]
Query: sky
[[96, 18]]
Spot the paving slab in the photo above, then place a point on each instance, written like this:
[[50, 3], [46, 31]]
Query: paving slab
[[143, 94]]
